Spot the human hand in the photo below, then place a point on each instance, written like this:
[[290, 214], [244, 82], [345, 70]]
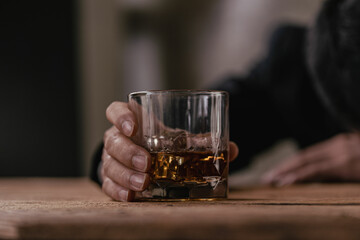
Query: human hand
[[125, 164], [335, 159]]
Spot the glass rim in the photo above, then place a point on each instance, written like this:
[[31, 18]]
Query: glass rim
[[179, 92]]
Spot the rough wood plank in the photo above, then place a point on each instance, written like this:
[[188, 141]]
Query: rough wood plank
[[76, 209]]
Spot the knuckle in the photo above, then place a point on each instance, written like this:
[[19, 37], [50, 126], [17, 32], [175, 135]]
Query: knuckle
[[105, 185], [108, 133], [125, 149], [110, 141], [109, 189], [118, 173], [116, 112], [132, 149], [105, 156], [102, 172], [106, 167], [110, 108], [124, 177]]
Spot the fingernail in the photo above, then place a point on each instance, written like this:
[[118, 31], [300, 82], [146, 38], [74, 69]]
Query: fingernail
[[127, 127], [137, 180], [139, 162], [123, 195]]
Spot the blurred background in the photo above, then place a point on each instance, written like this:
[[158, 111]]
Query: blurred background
[[62, 62]]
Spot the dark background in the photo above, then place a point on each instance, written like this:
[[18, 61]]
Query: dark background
[[38, 133]]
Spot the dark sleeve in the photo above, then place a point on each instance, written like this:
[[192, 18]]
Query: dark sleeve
[[277, 100], [254, 122]]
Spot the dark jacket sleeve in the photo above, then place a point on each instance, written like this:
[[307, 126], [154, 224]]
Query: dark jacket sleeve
[[277, 100]]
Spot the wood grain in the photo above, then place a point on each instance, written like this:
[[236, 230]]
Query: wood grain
[[77, 209]]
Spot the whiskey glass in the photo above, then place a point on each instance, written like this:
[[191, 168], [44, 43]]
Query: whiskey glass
[[187, 135]]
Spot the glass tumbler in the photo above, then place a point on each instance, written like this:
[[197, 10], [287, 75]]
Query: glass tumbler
[[187, 135]]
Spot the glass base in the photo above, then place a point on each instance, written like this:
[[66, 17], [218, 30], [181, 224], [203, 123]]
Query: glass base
[[167, 190], [179, 199]]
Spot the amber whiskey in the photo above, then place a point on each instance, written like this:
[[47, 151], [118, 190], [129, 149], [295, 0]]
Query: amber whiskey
[[187, 175]]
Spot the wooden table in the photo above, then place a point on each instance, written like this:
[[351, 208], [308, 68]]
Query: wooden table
[[77, 209]]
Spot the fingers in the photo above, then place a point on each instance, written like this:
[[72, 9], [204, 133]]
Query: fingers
[[310, 172], [123, 176], [123, 166], [291, 165], [298, 168], [311, 156], [234, 151], [119, 114], [331, 159], [116, 191], [315, 153], [125, 151]]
